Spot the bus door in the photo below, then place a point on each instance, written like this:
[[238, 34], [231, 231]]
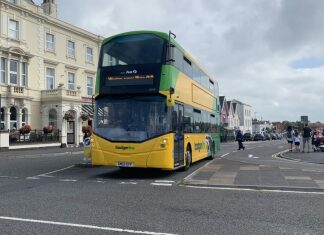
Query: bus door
[[178, 135]]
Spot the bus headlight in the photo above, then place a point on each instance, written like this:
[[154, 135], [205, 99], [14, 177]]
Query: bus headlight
[[163, 143]]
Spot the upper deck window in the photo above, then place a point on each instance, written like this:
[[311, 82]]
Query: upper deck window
[[134, 49]]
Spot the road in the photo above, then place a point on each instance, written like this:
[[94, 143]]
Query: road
[[58, 195]]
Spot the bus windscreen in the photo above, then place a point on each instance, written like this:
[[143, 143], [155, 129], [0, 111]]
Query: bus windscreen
[[132, 50]]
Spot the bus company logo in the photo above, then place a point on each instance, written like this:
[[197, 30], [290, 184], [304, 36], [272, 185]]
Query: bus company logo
[[199, 146], [129, 72], [124, 147]]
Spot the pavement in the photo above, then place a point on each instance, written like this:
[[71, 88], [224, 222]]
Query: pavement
[[226, 173], [54, 151]]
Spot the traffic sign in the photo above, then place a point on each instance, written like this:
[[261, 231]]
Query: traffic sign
[[87, 142]]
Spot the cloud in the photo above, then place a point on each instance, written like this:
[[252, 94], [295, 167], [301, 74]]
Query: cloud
[[248, 46]]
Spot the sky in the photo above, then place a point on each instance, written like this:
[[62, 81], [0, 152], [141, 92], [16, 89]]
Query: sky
[[268, 54]]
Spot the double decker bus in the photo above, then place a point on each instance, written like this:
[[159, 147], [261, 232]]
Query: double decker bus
[[155, 107]]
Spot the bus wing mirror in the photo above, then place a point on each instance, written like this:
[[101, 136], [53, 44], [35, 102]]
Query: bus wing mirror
[[170, 99]]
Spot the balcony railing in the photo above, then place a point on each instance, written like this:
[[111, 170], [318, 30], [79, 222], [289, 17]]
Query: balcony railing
[[17, 91], [61, 93]]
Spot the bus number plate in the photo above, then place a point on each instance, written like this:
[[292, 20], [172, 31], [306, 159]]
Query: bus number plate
[[125, 164]]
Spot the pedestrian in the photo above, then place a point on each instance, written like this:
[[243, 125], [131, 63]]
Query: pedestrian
[[240, 139], [296, 141], [290, 134], [307, 131]]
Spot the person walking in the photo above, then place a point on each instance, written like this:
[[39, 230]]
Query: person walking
[[290, 138], [296, 141], [307, 131], [239, 138]]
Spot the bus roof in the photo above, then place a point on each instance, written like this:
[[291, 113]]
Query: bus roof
[[164, 36]]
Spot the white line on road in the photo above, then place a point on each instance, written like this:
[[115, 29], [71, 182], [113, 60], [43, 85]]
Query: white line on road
[[250, 156], [9, 177], [161, 184], [128, 183], [83, 226], [32, 178], [255, 190], [68, 180], [224, 155], [48, 173], [164, 181]]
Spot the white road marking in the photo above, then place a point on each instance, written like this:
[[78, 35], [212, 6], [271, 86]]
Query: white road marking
[[83, 226], [32, 178], [256, 190], [164, 181], [234, 151], [47, 176], [68, 180], [250, 156], [9, 177], [161, 184], [128, 183], [224, 155], [255, 157], [48, 173]]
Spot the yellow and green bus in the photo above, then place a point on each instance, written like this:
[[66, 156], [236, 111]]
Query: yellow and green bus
[[155, 107]]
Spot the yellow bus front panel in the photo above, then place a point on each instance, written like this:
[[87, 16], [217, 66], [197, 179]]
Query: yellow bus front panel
[[154, 153]]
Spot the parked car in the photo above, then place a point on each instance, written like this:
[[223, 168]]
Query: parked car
[[247, 137], [258, 137], [266, 136], [273, 136]]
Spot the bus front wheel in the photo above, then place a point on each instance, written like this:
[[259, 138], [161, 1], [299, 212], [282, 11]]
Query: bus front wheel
[[188, 159]]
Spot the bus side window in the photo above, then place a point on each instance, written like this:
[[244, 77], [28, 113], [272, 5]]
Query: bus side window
[[174, 121]]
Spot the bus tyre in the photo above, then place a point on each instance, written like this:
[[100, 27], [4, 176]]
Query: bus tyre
[[188, 160]]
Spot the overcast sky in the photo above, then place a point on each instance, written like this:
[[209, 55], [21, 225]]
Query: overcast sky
[[268, 54]]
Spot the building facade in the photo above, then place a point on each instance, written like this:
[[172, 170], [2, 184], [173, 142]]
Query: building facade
[[244, 112], [47, 69]]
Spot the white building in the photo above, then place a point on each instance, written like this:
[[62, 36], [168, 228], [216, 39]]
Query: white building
[[244, 112], [260, 127], [47, 68]]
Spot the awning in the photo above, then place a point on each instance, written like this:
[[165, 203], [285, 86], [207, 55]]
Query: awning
[[87, 109]]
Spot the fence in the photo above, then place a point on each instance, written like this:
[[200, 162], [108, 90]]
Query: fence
[[35, 136]]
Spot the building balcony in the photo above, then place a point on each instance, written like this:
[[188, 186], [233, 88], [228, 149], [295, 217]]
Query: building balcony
[[61, 94], [17, 92]]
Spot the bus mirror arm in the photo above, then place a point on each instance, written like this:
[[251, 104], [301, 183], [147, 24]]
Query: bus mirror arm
[[170, 102]]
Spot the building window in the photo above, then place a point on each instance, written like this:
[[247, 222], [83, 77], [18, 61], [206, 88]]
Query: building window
[[23, 74], [89, 85], [52, 118], [89, 54], [50, 78], [13, 118], [71, 81], [13, 29], [24, 119], [13, 72], [2, 119], [71, 49], [2, 70], [49, 42]]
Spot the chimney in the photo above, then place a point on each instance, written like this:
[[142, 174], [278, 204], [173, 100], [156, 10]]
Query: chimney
[[50, 8]]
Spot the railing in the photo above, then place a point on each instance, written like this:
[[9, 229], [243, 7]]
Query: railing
[[60, 92], [34, 137]]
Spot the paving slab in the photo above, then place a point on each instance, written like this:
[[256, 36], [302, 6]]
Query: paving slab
[[230, 173]]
